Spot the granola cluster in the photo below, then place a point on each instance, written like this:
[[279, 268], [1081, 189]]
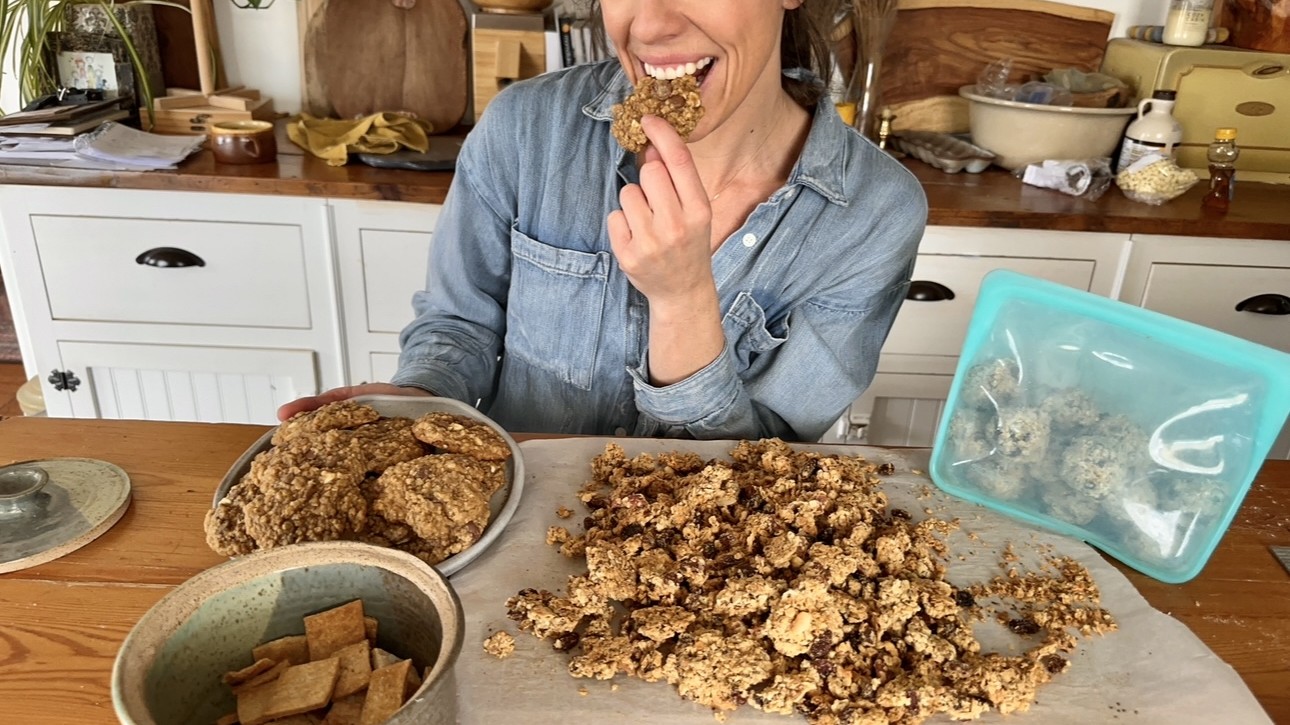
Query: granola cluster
[[345, 472], [676, 101], [783, 580]]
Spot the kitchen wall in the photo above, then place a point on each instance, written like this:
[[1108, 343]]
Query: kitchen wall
[[260, 46]]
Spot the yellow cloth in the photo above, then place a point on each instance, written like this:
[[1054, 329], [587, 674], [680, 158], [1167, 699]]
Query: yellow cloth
[[334, 139]]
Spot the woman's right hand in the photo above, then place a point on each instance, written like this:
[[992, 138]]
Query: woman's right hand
[[301, 405]]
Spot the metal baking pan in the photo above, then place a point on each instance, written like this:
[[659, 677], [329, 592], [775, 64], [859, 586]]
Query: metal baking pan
[[502, 506]]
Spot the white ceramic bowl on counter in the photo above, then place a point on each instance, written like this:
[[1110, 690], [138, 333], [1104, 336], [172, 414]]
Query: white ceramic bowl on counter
[[1023, 133]]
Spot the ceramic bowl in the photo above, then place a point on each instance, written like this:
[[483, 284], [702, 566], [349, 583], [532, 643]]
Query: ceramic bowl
[[168, 669], [1023, 133]]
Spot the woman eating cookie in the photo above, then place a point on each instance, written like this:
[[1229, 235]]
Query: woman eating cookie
[[733, 275]]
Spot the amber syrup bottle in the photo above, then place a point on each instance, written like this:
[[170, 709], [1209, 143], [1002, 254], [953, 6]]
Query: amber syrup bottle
[[1222, 155]]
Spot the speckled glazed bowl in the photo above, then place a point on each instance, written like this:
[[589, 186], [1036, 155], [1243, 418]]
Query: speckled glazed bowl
[[168, 669]]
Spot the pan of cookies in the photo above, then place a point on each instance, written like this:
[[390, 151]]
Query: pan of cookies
[[430, 476]]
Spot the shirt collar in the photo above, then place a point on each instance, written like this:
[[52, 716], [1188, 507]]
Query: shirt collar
[[822, 165]]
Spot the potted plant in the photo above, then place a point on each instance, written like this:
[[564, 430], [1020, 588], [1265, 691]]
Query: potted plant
[[30, 33]]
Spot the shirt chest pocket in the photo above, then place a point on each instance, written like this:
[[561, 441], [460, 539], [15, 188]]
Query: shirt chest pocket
[[750, 333], [555, 308]]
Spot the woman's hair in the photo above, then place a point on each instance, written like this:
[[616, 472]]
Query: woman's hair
[[804, 43]]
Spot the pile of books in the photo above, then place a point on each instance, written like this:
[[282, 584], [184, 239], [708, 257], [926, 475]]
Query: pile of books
[[62, 120], [573, 41]]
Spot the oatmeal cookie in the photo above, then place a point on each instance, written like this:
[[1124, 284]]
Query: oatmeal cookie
[[341, 414], [1070, 409], [459, 434], [991, 383], [1003, 478], [304, 503], [1094, 465], [431, 553], [676, 101], [380, 444], [304, 451], [1203, 496], [1072, 506], [442, 498], [1023, 433], [226, 524]]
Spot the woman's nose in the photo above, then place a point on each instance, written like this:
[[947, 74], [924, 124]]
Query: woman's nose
[[657, 20]]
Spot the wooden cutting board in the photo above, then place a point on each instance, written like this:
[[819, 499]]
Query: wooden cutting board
[[936, 46], [179, 50], [370, 56]]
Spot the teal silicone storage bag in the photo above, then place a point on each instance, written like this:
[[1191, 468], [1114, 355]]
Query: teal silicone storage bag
[[1134, 431]]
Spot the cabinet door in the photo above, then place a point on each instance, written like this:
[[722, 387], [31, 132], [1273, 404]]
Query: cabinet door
[[382, 248], [1241, 287], [1237, 286], [178, 382], [904, 403], [952, 261], [242, 279], [898, 409]]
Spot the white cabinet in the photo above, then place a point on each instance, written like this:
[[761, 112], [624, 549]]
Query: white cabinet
[[220, 307], [1237, 286], [171, 305], [184, 382], [381, 251], [903, 404]]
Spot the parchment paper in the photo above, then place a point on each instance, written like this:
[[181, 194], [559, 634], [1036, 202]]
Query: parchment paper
[[1153, 670]]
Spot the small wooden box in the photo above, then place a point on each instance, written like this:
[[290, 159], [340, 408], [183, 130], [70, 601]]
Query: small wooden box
[[186, 113], [506, 48]]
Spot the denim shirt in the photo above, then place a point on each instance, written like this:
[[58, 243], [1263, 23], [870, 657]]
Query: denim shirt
[[527, 313]]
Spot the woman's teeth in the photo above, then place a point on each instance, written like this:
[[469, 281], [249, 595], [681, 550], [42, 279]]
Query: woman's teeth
[[676, 71]]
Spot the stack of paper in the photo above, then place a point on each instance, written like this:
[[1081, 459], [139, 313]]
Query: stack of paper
[[119, 144], [110, 147]]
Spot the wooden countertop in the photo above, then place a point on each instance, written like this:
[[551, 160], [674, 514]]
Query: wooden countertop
[[989, 199], [62, 622]]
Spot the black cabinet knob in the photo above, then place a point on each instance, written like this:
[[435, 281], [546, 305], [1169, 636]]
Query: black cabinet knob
[[924, 290], [170, 257], [1269, 303]]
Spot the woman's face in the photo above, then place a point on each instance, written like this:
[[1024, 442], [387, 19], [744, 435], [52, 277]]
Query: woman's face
[[731, 45]]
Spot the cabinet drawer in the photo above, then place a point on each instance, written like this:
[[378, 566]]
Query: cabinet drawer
[[1209, 295], [394, 268], [238, 274], [937, 327]]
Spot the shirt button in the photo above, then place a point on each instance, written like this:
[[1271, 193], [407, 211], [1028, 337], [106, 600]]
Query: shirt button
[[750, 240], [620, 431]]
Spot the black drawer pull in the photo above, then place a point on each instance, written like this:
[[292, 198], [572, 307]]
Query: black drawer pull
[[1270, 303], [922, 290], [170, 257]]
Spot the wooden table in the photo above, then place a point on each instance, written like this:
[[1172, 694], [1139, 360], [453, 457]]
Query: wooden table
[[62, 622]]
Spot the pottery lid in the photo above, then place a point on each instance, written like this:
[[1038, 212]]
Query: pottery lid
[[52, 507]]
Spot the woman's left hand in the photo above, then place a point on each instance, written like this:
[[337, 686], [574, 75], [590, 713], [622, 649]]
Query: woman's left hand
[[662, 235]]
